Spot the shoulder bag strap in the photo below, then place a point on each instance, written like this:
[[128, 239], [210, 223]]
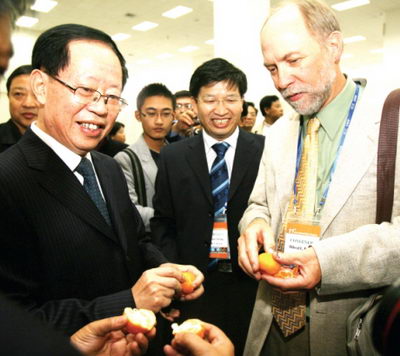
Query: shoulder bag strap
[[138, 177], [386, 165]]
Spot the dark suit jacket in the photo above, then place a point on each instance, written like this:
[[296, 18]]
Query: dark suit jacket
[[21, 334], [9, 135], [183, 222], [58, 256]]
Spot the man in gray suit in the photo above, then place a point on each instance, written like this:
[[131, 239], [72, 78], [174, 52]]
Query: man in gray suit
[[155, 111], [302, 45]]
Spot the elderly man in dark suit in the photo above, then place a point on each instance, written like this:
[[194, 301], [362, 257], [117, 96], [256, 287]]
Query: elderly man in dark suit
[[201, 194], [69, 232]]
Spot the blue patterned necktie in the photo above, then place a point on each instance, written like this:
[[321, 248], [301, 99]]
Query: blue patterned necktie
[[219, 179], [85, 168]]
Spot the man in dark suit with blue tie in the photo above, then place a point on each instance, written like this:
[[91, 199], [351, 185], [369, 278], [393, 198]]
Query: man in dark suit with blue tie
[[202, 189], [69, 232]]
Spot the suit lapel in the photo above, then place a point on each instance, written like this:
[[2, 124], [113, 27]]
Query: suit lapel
[[244, 156], [56, 178], [196, 158], [284, 159], [359, 151]]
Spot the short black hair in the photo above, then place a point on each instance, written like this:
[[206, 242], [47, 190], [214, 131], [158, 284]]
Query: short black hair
[[266, 102], [249, 103], [115, 128], [244, 109], [51, 50], [214, 71], [25, 69], [154, 89], [13, 8], [183, 94]]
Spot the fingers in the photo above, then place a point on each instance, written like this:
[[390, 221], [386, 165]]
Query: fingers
[[104, 326], [243, 259]]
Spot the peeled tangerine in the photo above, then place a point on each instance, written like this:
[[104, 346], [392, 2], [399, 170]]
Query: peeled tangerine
[[139, 320], [194, 326], [268, 265], [187, 285]]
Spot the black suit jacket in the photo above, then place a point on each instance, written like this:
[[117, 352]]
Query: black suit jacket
[[58, 256], [183, 222], [21, 334], [183, 219], [9, 135]]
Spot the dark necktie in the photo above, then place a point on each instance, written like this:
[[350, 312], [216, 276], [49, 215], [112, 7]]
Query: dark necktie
[[85, 168], [219, 179]]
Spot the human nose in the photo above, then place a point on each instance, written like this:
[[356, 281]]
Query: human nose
[[284, 78], [99, 106], [220, 107], [30, 100]]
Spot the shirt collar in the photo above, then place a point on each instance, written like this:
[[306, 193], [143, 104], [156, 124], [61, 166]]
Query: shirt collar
[[71, 159], [210, 141]]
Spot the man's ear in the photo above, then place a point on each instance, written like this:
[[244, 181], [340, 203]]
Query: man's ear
[[194, 105], [335, 45], [138, 116], [39, 83]]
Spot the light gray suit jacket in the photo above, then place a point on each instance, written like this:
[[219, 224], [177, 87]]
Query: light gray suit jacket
[[355, 254], [149, 171]]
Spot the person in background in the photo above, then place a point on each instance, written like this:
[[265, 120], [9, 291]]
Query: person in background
[[271, 109], [249, 116], [202, 189], [117, 133], [114, 142], [186, 123], [23, 107], [317, 185], [155, 111]]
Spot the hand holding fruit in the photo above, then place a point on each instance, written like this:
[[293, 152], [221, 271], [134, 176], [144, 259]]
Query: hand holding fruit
[[307, 275], [269, 265]]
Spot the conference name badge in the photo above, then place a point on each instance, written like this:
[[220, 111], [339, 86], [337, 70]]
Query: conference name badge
[[301, 234], [220, 240]]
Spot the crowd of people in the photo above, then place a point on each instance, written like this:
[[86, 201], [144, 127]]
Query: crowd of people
[[91, 225]]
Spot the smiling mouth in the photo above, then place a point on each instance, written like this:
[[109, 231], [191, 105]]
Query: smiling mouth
[[220, 122], [91, 126]]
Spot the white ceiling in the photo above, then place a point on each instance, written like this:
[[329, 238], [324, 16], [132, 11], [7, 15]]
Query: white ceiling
[[114, 16]]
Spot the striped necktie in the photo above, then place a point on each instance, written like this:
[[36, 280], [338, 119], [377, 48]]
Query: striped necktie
[[289, 309], [85, 168], [219, 179]]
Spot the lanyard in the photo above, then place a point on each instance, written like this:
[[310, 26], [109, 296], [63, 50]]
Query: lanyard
[[333, 167]]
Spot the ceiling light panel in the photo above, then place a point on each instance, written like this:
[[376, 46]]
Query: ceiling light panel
[[354, 39], [120, 36], [346, 5], [145, 26], [177, 12], [26, 21], [44, 5]]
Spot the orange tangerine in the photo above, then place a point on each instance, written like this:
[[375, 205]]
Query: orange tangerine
[[187, 285], [267, 263]]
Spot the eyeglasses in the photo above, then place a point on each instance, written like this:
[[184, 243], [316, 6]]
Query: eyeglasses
[[227, 101], [84, 95], [187, 106], [166, 115]]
